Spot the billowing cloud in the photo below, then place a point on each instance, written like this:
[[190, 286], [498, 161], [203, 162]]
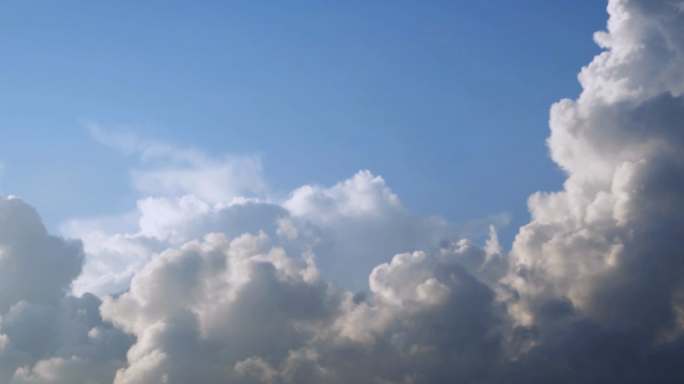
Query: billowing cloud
[[45, 335], [349, 228], [34, 266], [210, 286], [221, 311], [361, 224], [611, 242]]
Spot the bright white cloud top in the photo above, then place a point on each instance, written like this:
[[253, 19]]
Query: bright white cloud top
[[204, 283]]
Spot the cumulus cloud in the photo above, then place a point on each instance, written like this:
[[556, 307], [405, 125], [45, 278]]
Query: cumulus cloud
[[596, 279], [34, 266], [361, 223], [221, 311], [214, 287], [45, 335], [610, 242], [349, 228]]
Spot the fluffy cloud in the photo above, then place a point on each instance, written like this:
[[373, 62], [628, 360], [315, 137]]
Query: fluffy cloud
[[610, 242], [350, 228], [596, 279], [360, 223], [212, 287], [34, 266], [45, 335], [222, 311]]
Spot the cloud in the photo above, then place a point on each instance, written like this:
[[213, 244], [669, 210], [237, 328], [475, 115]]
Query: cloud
[[222, 311], [361, 223], [166, 170], [610, 243], [591, 290], [221, 288], [349, 228], [45, 335], [34, 266]]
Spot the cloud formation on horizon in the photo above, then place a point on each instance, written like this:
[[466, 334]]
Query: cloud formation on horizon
[[218, 288]]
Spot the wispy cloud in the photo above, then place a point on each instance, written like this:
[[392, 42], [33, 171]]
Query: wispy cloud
[[166, 170]]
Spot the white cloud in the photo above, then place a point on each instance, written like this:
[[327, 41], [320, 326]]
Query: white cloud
[[364, 195], [608, 243], [349, 228], [361, 223], [225, 289], [219, 312], [287, 229], [170, 172]]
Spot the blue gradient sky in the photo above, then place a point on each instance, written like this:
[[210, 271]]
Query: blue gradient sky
[[446, 100]]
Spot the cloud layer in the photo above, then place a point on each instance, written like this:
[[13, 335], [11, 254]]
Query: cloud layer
[[343, 284], [350, 227]]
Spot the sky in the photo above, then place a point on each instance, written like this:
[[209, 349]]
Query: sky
[[275, 193], [447, 101]]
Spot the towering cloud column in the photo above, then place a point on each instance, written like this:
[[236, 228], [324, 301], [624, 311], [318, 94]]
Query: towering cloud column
[[610, 246]]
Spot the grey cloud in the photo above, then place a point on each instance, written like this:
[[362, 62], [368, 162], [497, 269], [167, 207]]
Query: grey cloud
[[34, 266], [62, 344], [45, 335]]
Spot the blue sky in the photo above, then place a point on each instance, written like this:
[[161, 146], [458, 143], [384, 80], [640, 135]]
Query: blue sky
[[448, 100]]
